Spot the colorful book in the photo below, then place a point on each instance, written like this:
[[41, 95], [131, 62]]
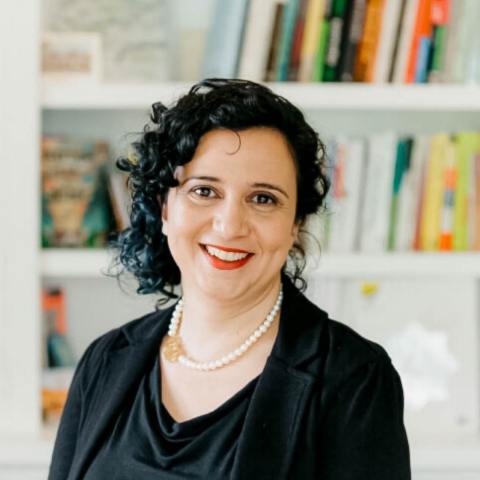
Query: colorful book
[[310, 44], [354, 23], [389, 32], [433, 196], [332, 55], [286, 39], [446, 222], [256, 43], [323, 37], [467, 145], [296, 50], [367, 49], [224, 39]]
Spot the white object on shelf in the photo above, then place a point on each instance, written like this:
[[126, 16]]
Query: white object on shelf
[[91, 263], [338, 96]]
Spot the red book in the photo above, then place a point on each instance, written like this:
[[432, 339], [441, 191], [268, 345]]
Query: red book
[[296, 51], [423, 28]]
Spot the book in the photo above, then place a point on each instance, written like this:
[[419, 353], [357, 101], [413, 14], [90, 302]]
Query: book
[[452, 40], [476, 224], [298, 34], [354, 30], [450, 182], [382, 149], [433, 196], [323, 37], [367, 49], [76, 211], [404, 42], [274, 46], [224, 39], [310, 44], [256, 42], [386, 43], [419, 44], [467, 145], [440, 21], [336, 32], [288, 28], [401, 167], [468, 61]]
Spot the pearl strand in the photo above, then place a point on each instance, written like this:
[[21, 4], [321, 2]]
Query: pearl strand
[[225, 360]]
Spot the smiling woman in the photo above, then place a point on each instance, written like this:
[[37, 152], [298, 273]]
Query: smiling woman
[[243, 378]]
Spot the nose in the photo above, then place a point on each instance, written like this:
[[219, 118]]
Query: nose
[[231, 219]]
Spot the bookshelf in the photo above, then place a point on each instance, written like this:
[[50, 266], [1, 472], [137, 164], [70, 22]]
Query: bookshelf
[[23, 266]]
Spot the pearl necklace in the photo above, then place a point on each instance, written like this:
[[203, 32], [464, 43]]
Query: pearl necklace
[[174, 351]]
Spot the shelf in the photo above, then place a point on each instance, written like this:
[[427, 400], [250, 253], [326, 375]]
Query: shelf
[[337, 96], [91, 263]]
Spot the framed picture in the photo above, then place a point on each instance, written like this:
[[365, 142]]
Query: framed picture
[[72, 57]]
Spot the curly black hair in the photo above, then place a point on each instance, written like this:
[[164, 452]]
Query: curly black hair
[[142, 249]]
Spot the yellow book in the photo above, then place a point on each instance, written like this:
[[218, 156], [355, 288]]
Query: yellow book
[[433, 200], [467, 144], [313, 24]]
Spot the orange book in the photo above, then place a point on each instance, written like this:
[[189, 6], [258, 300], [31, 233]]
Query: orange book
[[367, 48], [422, 28]]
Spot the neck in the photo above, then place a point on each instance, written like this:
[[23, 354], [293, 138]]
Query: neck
[[211, 327]]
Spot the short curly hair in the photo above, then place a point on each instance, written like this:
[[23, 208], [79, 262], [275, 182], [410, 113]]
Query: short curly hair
[[142, 249]]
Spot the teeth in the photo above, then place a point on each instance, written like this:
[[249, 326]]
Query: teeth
[[227, 256]]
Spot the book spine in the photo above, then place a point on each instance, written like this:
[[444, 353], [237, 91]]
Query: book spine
[[355, 20], [476, 168], [313, 28], [386, 43], [367, 50], [256, 45], [430, 227], [296, 50], [406, 33], [452, 40], [224, 39], [446, 224], [332, 55], [437, 68], [271, 69], [318, 67], [421, 30], [288, 27]]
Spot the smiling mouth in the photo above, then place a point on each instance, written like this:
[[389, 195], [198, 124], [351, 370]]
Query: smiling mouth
[[226, 260]]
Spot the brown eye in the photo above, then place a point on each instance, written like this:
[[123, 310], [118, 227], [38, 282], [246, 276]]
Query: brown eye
[[263, 199], [204, 192]]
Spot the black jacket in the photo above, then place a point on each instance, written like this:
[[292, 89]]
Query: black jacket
[[328, 405]]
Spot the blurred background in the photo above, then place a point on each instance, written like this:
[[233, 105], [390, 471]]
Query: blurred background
[[392, 88]]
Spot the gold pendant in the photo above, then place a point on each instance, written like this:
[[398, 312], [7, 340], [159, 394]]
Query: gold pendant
[[173, 349]]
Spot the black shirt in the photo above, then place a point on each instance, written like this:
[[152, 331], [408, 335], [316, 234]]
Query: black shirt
[[146, 442]]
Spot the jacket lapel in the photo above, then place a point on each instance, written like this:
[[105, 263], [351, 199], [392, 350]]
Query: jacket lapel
[[272, 423]]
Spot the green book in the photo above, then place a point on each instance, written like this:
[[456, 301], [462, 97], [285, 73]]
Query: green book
[[317, 75]]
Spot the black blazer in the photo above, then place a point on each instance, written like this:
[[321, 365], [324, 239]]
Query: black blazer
[[328, 405]]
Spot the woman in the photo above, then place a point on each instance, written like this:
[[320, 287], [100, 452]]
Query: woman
[[243, 378]]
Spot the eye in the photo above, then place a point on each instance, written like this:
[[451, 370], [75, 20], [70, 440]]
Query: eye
[[263, 199], [205, 192]]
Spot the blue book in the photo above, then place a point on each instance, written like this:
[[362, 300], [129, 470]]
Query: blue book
[[424, 46], [224, 39], [288, 29]]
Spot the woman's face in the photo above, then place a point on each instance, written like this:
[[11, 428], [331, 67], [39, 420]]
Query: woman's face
[[231, 220]]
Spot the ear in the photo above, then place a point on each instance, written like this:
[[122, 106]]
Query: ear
[[295, 230], [163, 206]]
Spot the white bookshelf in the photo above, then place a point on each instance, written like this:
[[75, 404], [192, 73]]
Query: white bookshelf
[[346, 97], [92, 264]]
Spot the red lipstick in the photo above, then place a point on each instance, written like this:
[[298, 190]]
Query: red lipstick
[[220, 264], [225, 249]]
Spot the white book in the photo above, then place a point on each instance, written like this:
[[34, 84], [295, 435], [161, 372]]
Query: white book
[[410, 193], [258, 33], [456, 12], [405, 43], [390, 24], [382, 149], [471, 53], [346, 204], [224, 39], [429, 329]]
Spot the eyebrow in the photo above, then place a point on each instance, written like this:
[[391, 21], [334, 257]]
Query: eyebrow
[[268, 186]]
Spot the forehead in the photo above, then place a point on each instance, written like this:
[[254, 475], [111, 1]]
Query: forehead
[[251, 153]]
